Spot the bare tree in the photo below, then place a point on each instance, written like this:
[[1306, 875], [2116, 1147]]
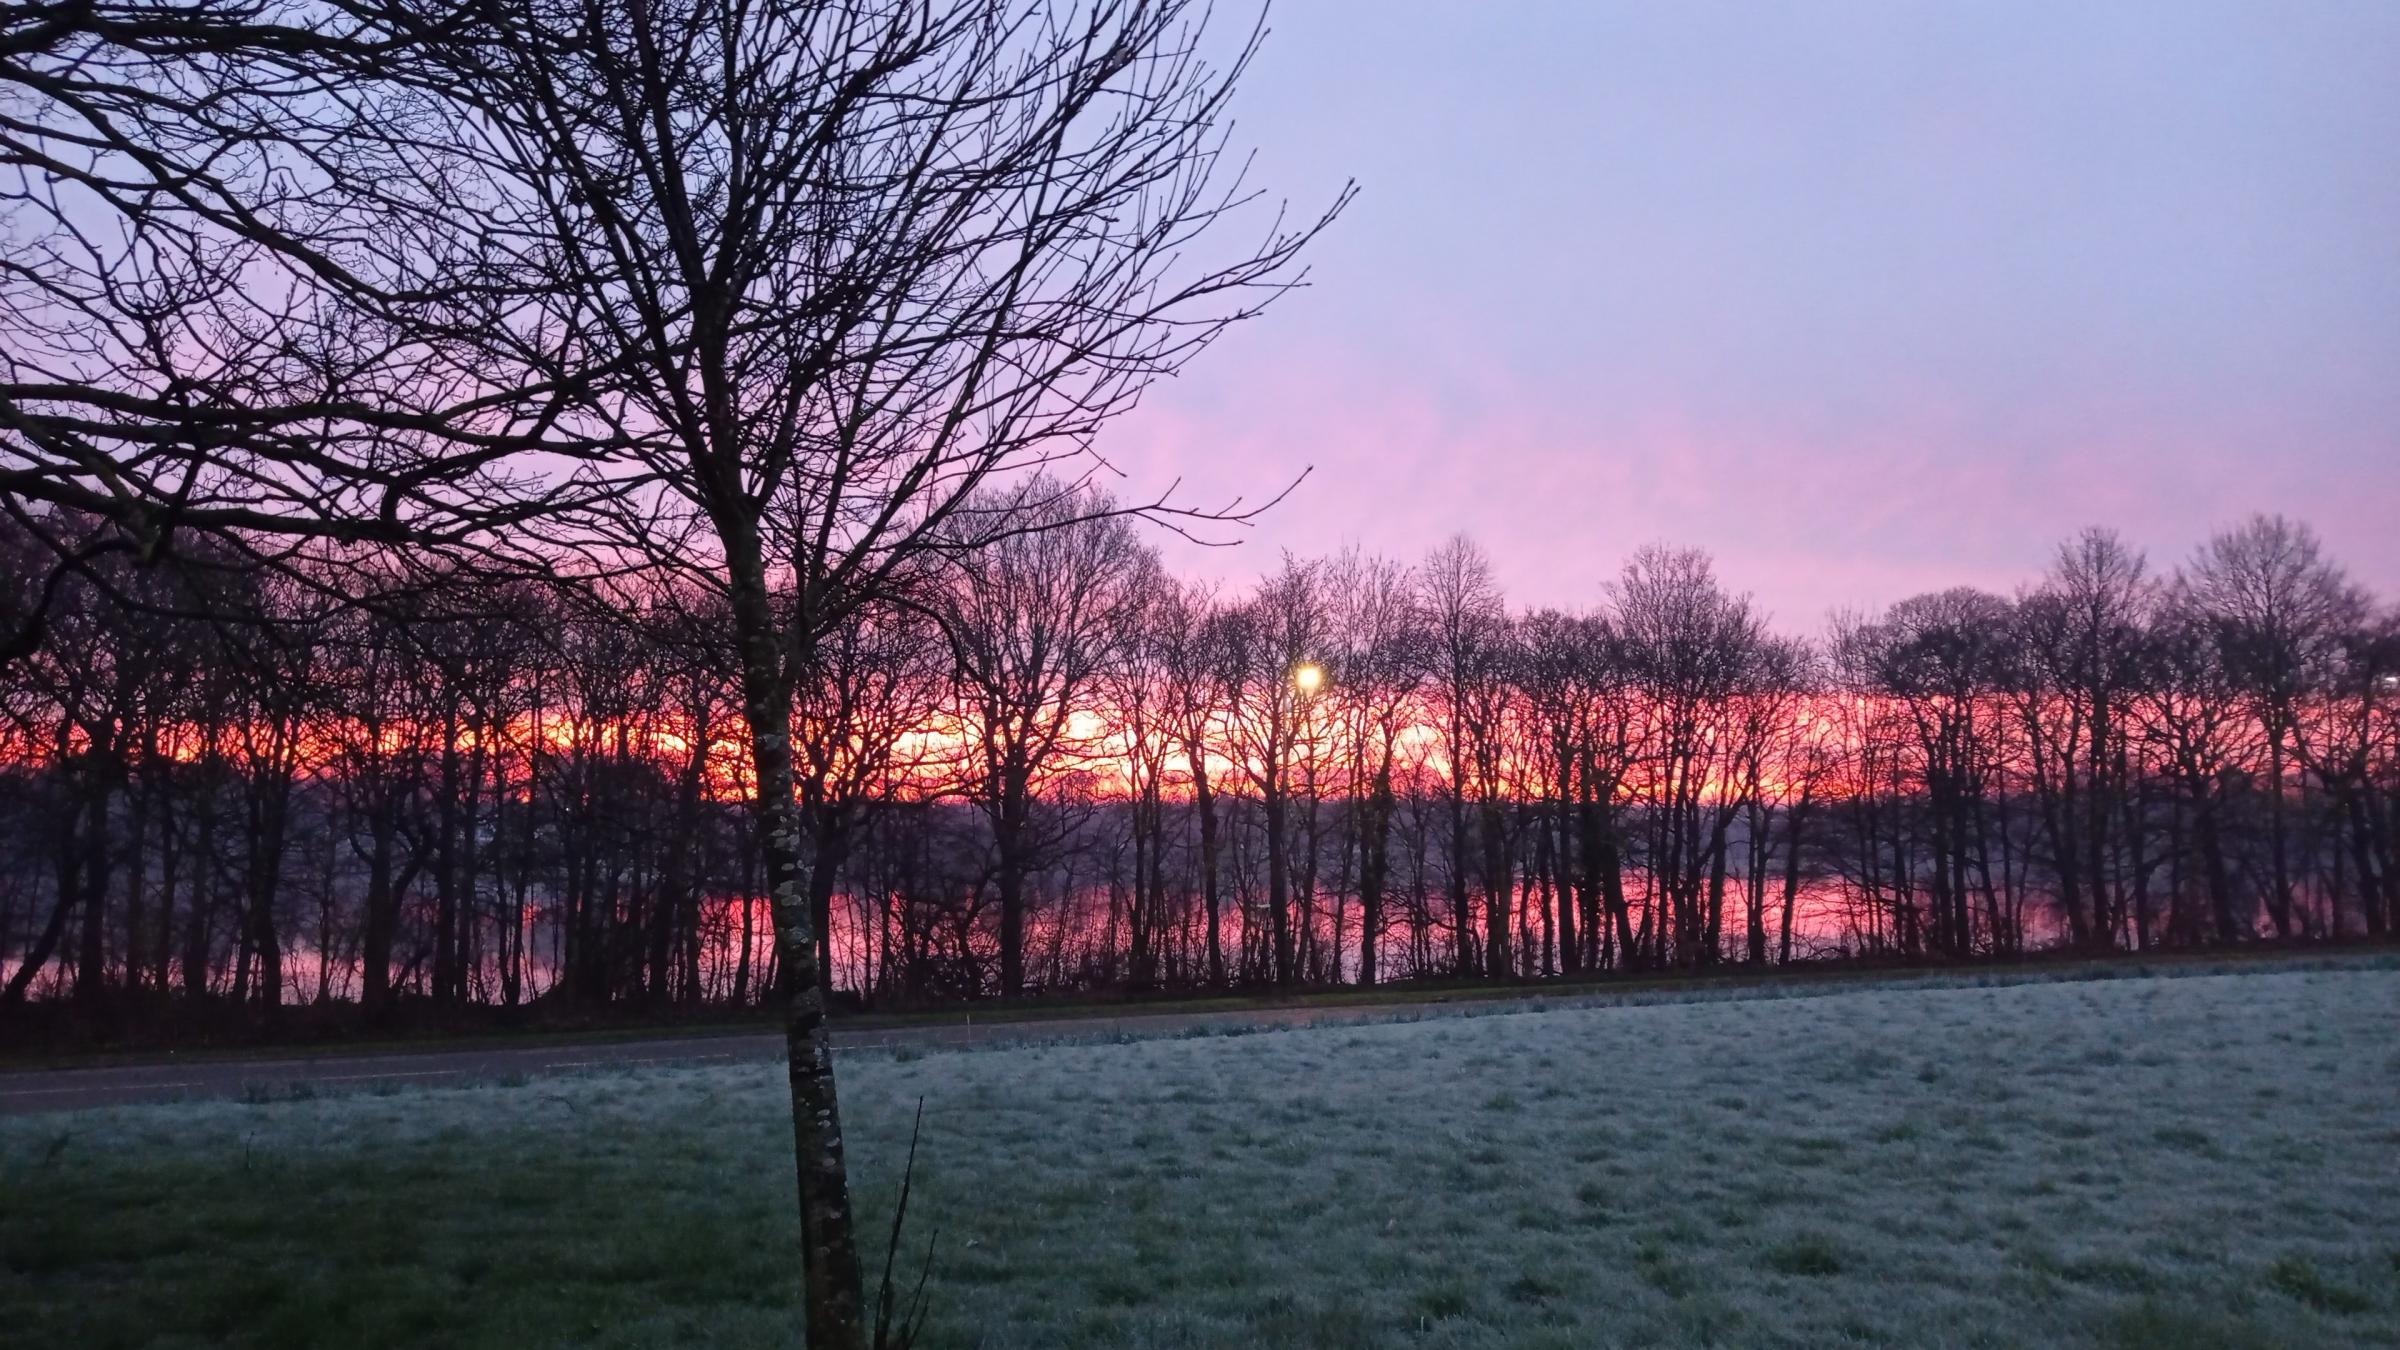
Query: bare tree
[[2280, 612], [1137, 691], [1195, 658], [1693, 650], [1468, 655], [1942, 658], [1808, 757], [1378, 668], [1277, 643], [2082, 643], [1558, 658], [880, 679], [75, 722], [1774, 777], [219, 319], [829, 270], [2352, 745], [2199, 740], [1036, 619]]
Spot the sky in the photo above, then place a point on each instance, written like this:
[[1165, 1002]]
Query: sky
[[1865, 299]]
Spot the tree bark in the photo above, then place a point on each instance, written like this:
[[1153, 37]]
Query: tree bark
[[831, 1293]]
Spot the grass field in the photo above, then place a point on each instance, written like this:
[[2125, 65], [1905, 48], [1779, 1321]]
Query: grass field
[[2210, 1160]]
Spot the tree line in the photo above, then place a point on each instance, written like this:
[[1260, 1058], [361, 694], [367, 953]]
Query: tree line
[[1056, 767]]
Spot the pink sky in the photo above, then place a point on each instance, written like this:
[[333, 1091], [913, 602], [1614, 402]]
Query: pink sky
[[1865, 300]]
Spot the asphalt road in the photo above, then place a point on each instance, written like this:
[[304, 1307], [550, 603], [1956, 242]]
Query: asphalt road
[[26, 1092]]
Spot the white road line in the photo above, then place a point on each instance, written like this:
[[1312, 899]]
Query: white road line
[[631, 1059], [100, 1087], [376, 1075]]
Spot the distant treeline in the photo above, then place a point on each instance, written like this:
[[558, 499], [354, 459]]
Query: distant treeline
[[1057, 768]]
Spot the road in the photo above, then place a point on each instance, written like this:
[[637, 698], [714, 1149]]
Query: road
[[26, 1092]]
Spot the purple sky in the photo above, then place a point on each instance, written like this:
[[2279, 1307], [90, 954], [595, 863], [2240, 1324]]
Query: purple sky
[[1867, 299]]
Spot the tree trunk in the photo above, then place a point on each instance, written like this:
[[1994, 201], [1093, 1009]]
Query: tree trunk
[[1279, 884], [1204, 804], [2279, 895], [1460, 917], [1567, 879], [44, 945], [1009, 827], [1499, 887], [1791, 879], [91, 965], [831, 1293], [1374, 870]]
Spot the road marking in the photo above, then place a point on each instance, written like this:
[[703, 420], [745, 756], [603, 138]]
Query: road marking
[[632, 1059], [101, 1087], [377, 1075]]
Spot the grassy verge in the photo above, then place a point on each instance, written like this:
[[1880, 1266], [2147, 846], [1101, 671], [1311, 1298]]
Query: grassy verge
[[2184, 1162], [1602, 987]]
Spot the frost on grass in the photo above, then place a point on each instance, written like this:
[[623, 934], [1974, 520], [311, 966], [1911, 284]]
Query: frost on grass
[[2190, 1162]]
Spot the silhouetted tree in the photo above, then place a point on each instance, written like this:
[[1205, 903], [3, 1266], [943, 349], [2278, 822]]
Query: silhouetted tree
[[1035, 620], [2280, 613]]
